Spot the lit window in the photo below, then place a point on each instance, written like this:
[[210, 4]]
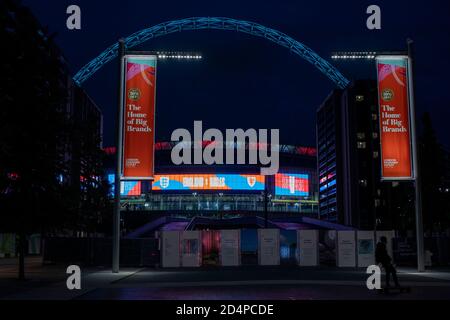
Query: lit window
[[361, 135], [361, 145], [359, 98]]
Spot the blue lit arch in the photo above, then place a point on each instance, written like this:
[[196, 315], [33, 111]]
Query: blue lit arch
[[218, 23]]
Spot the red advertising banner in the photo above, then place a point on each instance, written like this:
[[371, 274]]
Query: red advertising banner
[[139, 117], [394, 109]]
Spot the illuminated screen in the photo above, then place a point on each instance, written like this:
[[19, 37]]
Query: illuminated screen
[[291, 184], [208, 182], [127, 188]]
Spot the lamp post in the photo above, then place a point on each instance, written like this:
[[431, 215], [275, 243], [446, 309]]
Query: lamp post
[[219, 200], [119, 113], [119, 138], [266, 197], [369, 56], [417, 177]]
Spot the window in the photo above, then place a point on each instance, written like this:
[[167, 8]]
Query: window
[[374, 116], [375, 154], [363, 182], [361, 145], [361, 135]]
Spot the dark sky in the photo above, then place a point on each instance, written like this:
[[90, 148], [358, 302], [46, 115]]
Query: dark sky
[[249, 82]]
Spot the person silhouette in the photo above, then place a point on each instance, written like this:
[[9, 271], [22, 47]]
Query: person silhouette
[[382, 257]]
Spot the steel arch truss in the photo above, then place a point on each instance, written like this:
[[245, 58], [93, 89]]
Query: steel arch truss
[[219, 23]]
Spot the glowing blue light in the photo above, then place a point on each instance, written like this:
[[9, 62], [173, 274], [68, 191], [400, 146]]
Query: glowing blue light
[[219, 23]]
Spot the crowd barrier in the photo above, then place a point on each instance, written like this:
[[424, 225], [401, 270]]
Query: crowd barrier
[[267, 247]]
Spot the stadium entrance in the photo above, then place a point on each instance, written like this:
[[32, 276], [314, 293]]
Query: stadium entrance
[[286, 189], [224, 190]]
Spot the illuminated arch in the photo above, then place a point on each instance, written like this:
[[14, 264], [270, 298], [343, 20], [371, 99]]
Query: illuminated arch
[[219, 23]]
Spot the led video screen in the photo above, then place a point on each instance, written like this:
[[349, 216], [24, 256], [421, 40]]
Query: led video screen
[[127, 188], [292, 184], [208, 182]]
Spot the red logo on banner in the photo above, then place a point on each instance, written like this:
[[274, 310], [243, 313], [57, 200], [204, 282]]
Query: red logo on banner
[[139, 117], [394, 118]]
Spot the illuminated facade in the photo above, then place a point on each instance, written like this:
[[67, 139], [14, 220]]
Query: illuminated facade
[[225, 189], [350, 187]]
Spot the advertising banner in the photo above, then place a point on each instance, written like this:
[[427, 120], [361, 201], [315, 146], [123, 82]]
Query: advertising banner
[[308, 248], [366, 248], [328, 251], [191, 245], [394, 110], [269, 247], [346, 256], [139, 117], [208, 182], [230, 247], [288, 246], [170, 249], [211, 247], [127, 188], [291, 184]]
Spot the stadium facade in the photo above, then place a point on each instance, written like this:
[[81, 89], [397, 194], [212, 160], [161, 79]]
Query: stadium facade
[[224, 190]]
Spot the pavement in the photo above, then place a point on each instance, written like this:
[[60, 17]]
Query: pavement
[[48, 282]]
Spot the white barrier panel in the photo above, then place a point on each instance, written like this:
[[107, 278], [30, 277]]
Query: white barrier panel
[[366, 248], [346, 256], [307, 247], [269, 247], [230, 247], [170, 249], [389, 234], [191, 255]]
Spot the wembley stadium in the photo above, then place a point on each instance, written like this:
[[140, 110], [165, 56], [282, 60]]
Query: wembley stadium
[[225, 189]]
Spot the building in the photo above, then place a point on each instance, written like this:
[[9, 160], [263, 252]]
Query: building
[[83, 150], [350, 188], [60, 127], [225, 189], [83, 119]]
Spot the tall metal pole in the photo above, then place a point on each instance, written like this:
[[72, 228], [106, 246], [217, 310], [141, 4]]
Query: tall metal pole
[[265, 207], [418, 196], [119, 121]]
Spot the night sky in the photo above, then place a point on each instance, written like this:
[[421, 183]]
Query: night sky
[[249, 82]]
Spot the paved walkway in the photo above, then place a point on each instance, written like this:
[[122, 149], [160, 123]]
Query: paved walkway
[[227, 283]]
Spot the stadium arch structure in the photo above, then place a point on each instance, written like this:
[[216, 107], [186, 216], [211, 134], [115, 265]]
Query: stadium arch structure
[[216, 23]]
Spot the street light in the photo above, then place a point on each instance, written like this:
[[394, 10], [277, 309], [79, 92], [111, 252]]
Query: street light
[[122, 51], [363, 55], [345, 55], [165, 55]]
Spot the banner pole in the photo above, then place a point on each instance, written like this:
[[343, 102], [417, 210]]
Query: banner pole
[[417, 181], [119, 128]]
